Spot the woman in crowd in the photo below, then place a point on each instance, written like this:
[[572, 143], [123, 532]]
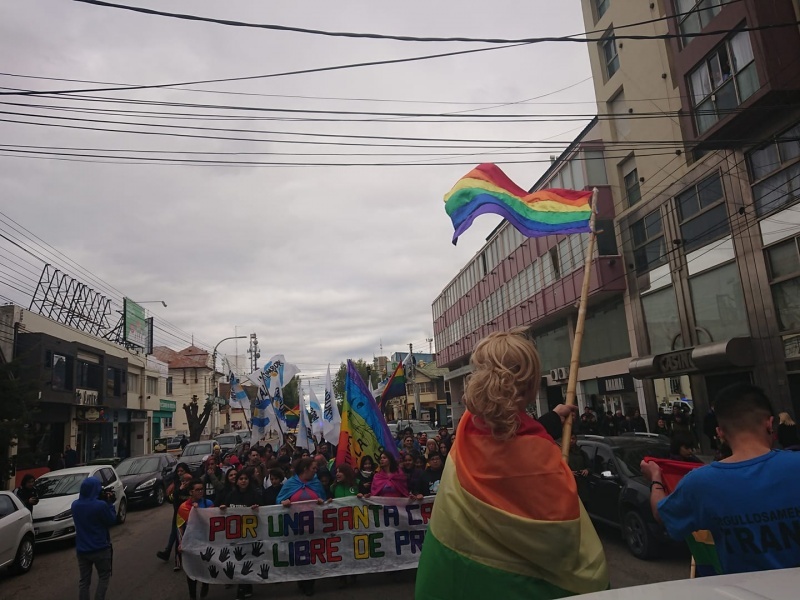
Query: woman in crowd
[[389, 480], [303, 486], [276, 478], [415, 477], [365, 475], [246, 493], [444, 450], [230, 484], [345, 484], [431, 447], [26, 492], [505, 489], [408, 444], [420, 463], [178, 492]]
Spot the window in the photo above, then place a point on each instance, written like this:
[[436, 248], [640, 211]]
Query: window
[[723, 81], [166, 422], [601, 6], [661, 317], [695, 15], [618, 107], [7, 506], [152, 386], [90, 375], [718, 303], [565, 262], [554, 347], [133, 383], [169, 386], [630, 178], [675, 386], [702, 213], [62, 372], [606, 334], [115, 382], [784, 271], [595, 167], [609, 55], [776, 170], [649, 251]]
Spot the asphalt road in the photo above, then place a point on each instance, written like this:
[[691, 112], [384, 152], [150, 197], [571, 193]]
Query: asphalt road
[[139, 574]]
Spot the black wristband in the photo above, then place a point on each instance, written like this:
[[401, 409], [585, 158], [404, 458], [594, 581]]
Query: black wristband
[[652, 483]]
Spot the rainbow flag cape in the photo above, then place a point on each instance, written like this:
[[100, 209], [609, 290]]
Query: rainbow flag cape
[[508, 523], [364, 430], [486, 189], [396, 386]]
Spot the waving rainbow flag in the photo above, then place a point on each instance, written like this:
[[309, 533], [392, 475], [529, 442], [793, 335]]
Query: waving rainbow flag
[[364, 430], [508, 523], [486, 189]]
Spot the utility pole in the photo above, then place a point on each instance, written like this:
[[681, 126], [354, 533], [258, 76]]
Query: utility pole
[[417, 407], [215, 408], [254, 352], [430, 345]]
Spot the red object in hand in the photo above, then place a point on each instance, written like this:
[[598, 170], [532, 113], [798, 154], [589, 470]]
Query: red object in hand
[[672, 471]]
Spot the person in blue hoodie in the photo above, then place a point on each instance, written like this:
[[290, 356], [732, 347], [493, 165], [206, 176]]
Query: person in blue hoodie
[[93, 514]]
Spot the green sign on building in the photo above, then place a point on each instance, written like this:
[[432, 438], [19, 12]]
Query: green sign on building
[[168, 405]]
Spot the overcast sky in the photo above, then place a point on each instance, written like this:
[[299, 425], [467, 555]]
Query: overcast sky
[[323, 263]]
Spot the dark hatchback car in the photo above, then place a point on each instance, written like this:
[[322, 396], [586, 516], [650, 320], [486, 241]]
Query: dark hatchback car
[[615, 492], [146, 478]]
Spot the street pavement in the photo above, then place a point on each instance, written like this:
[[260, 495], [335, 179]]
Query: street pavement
[[139, 574]]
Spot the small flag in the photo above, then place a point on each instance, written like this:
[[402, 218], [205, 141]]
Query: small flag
[[486, 189], [304, 437], [331, 420], [364, 431], [275, 374], [395, 387], [315, 414], [238, 397]]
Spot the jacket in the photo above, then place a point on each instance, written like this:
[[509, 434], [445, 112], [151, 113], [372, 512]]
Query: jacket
[[92, 518], [297, 490], [392, 485], [249, 497]]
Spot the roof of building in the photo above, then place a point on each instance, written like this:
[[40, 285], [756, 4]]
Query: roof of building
[[190, 357], [431, 371]]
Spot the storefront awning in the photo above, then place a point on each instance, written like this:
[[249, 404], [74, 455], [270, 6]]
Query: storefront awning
[[733, 353]]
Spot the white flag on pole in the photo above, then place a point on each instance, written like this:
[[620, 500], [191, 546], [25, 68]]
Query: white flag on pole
[[331, 420], [238, 397], [315, 414], [304, 436]]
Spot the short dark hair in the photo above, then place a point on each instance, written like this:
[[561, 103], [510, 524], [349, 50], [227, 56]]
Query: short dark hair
[[434, 455], [197, 482], [301, 465], [276, 473], [680, 440], [741, 407]]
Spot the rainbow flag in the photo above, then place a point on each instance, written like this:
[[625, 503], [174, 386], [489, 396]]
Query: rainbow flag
[[292, 417], [486, 189], [364, 430], [508, 522], [395, 387]]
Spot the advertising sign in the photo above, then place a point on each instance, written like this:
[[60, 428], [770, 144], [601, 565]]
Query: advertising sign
[[135, 325], [305, 541]]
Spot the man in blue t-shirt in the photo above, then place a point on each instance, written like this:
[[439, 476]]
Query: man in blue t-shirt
[[750, 501]]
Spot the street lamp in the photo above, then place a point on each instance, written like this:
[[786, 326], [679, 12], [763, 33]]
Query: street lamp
[[214, 373]]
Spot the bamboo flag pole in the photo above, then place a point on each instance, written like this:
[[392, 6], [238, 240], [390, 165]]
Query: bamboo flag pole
[[574, 362]]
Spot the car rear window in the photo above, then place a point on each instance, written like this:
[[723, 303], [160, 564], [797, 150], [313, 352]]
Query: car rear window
[[197, 449]]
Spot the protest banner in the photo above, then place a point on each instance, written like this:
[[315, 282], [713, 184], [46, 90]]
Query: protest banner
[[307, 540]]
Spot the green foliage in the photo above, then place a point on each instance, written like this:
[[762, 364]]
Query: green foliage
[[361, 367], [18, 402], [290, 396]]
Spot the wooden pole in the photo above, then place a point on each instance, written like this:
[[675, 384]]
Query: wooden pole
[[574, 362]]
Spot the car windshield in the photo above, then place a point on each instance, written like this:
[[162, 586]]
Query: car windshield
[[226, 439], [137, 465], [198, 449], [60, 485], [630, 457]]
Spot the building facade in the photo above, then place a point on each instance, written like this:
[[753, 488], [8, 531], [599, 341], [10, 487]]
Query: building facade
[[696, 281]]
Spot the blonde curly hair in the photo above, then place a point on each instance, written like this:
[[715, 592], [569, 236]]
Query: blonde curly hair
[[506, 374]]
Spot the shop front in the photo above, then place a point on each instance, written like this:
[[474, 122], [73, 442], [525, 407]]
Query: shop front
[[163, 424], [95, 437], [617, 392]]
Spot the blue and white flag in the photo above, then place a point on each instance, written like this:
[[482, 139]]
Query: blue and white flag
[[238, 397], [304, 437], [315, 414], [270, 380], [331, 419]]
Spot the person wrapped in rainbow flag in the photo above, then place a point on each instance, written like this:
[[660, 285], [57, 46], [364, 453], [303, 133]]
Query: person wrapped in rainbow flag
[[507, 518]]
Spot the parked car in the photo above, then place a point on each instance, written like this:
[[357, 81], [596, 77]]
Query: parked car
[[228, 441], [146, 477], [112, 460], [16, 534], [195, 453], [418, 427], [615, 492], [57, 490], [174, 445]]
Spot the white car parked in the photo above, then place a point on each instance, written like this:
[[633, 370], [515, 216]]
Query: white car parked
[[16, 534], [57, 490]]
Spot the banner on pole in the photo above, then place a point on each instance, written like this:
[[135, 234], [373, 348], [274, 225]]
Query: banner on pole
[[305, 541]]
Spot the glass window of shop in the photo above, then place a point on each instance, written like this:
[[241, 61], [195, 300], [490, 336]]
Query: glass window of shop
[[553, 346], [784, 270], [718, 304], [661, 318], [605, 334]]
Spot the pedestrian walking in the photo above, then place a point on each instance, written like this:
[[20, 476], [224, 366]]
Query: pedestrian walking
[[93, 514], [26, 492]]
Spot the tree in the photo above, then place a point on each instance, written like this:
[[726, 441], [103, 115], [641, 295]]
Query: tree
[[364, 369], [197, 420], [18, 402], [290, 394]]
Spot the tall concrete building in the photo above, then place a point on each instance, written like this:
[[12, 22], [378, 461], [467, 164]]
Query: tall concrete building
[[696, 153]]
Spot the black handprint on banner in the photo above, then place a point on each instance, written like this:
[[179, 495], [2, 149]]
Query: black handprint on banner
[[247, 567], [229, 569], [224, 554], [257, 548], [208, 554], [239, 553], [264, 571], [213, 570]]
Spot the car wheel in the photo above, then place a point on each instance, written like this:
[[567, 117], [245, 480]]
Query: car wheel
[[638, 537], [158, 498], [24, 559], [122, 512]]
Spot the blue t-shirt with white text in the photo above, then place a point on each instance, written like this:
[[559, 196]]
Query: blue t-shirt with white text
[[752, 509]]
